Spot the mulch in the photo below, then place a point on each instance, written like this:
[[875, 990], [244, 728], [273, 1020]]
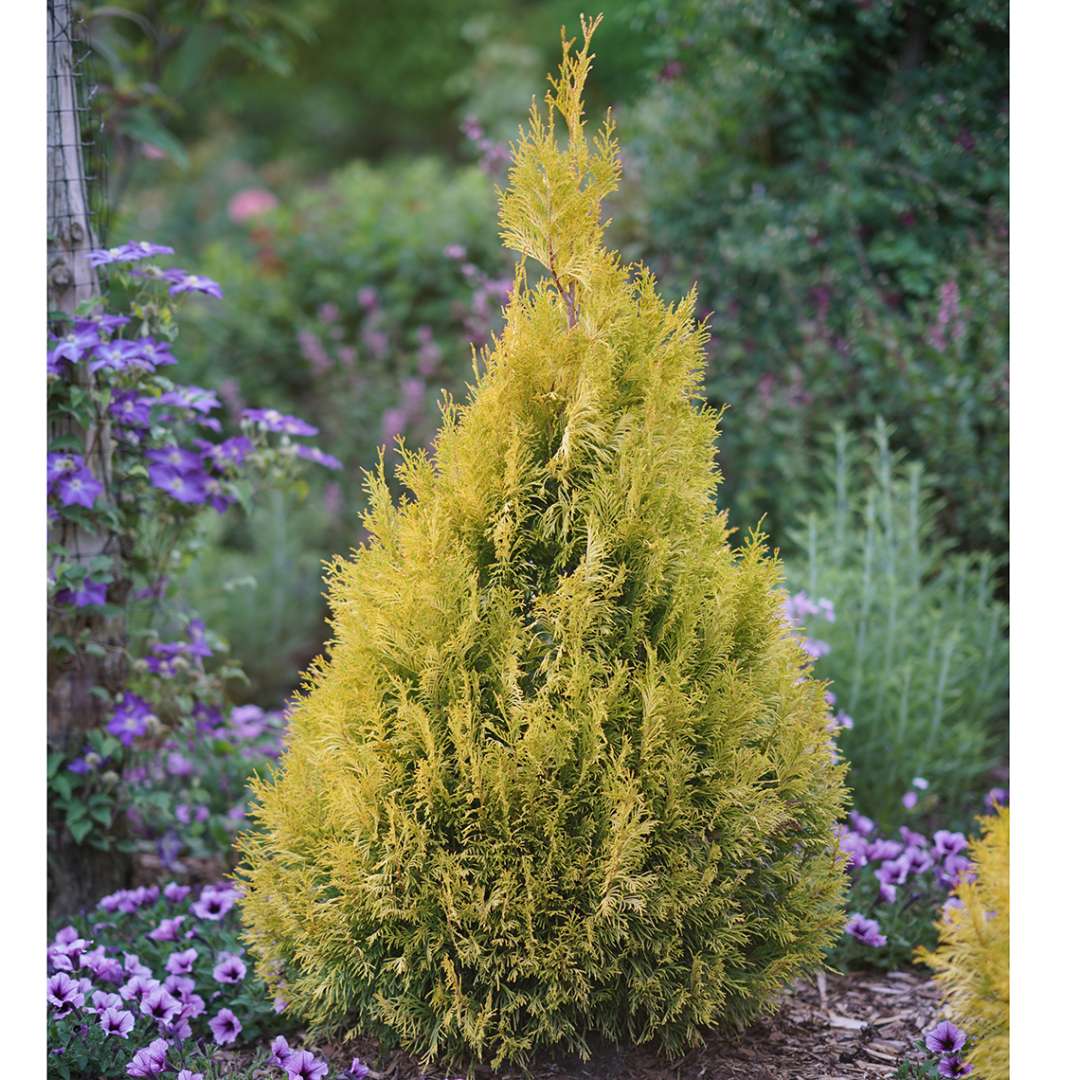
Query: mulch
[[833, 1028]]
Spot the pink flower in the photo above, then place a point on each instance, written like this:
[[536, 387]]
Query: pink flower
[[251, 203]]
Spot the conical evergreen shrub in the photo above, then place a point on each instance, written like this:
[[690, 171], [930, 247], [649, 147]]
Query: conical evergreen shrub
[[563, 772]]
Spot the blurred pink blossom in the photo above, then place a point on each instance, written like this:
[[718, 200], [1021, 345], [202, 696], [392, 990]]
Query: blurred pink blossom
[[251, 203]]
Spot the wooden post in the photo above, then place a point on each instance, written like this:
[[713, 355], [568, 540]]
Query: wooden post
[[78, 873]]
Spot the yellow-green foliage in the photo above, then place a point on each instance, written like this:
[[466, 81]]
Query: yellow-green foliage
[[561, 773], [971, 961]]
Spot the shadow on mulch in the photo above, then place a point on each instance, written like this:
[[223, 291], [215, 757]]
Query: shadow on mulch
[[835, 1028]]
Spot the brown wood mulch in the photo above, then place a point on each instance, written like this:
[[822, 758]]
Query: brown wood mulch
[[836, 1027]]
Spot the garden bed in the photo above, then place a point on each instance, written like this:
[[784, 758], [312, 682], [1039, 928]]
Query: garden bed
[[839, 1026]]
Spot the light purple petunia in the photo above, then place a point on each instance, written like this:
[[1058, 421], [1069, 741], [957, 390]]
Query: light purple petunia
[[358, 1070], [946, 1038], [116, 1021], [304, 1065], [949, 843], [229, 969], [952, 1067], [225, 1027], [150, 1060], [137, 987], [187, 1074], [64, 993], [909, 800], [892, 871], [214, 902], [866, 931], [995, 797], [280, 1051], [174, 893], [272, 420], [167, 929], [181, 963], [861, 823], [160, 1005], [100, 1001]]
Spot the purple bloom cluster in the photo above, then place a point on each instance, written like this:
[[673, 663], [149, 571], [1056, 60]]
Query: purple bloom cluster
[[71, 481], [948, 1040], [130, 718]]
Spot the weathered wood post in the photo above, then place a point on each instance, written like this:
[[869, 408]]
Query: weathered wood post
[[78, 873]]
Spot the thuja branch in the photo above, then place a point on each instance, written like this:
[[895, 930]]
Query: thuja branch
[[566, 294]]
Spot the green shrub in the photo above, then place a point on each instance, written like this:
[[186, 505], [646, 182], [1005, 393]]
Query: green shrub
[[563, 772], [917, 654], [834, 176]]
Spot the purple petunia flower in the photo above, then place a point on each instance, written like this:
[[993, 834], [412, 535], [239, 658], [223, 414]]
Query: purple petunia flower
[[167, 929], [225, 1027], [160, 1005], [214, 902], [137, 987], [181, 963], [174, 893], [884, 849], [64, 994], [183, 281], [912, 838], [949, 843], [304, 1065], [102, 967], [280, 1051], [358, 1070], [272, 420], [100, 1001], [187, 1074], [995, 797], [946, 1038], [230, 969], [116, 1021], [865, 931], [952, 1067], [861, 823], [150, 1060], [129, 718], [320, 457], [918, 860], [892, 871]]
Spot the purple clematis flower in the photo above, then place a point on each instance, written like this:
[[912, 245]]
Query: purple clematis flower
[[272, 420], [89, 594], [304, 1065], [225, 1027], [129, 718], [77, 486], [184, 487], [183, 281], [230, 969], [132, 251], [130, 410], [150, 1060], [176, 458], [320, 457], [116, 1021], [231, 452], [195, 398], [946, 1038], [73, 346], [865, 931]]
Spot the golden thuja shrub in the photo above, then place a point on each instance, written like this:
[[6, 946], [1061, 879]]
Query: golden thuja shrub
[[563, 771], [971, 961]]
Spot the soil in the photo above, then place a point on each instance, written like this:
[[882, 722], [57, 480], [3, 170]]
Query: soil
[[833, 1028]]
